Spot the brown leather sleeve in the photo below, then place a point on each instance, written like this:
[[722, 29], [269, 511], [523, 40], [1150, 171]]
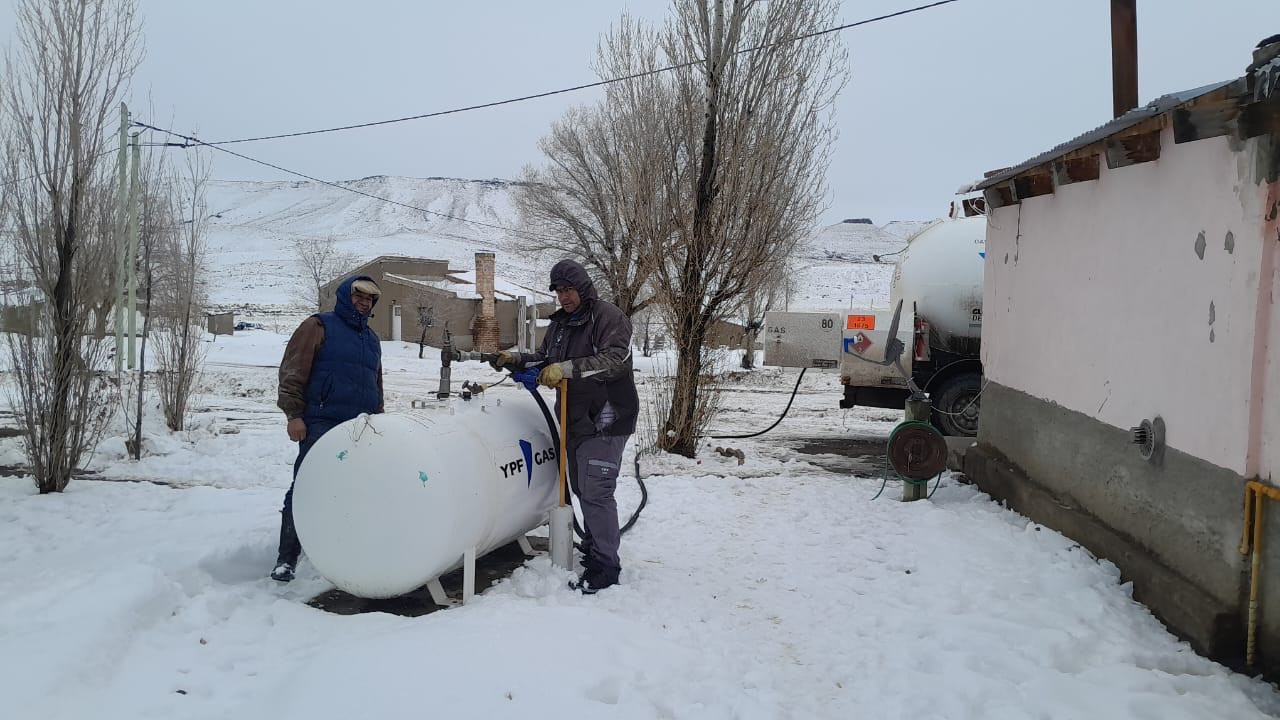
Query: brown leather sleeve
[[295, 367]]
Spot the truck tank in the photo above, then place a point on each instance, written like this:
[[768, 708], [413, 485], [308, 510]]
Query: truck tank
[[940, 272]]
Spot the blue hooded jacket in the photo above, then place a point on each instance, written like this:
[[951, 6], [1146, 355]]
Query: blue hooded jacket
[[344, 375]]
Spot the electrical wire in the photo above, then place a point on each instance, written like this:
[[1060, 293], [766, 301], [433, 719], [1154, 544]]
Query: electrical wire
[[885, 481], [95, 158], [198, 142], [217, 145], [575, 88], [981, 390]]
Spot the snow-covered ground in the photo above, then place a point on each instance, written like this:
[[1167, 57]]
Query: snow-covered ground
[[772, 589], [778, 588]]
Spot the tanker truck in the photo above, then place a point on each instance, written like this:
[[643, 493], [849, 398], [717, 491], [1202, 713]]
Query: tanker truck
[[926, 340]]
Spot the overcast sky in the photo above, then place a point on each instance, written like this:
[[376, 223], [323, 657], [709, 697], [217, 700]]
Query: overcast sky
[[935, 98]]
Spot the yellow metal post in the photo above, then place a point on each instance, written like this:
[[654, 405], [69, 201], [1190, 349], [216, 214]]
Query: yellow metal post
[[1248, 519], [1254, 492], [563, 389], [560, 536]]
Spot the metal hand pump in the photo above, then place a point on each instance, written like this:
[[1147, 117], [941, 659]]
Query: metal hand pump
[[561, 525]]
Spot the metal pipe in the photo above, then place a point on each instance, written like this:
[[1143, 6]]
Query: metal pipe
[[1254, 583], [1253, 523], [1124, 56], [1248, 519]]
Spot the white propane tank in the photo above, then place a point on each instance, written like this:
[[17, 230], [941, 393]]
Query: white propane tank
[[385, 503], [941, 273]]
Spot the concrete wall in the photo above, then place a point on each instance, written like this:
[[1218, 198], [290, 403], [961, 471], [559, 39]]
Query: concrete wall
[[1135, 295], [1147, 292], [1173, 527]]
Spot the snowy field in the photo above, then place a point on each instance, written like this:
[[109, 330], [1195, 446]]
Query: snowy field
[[772, 589]]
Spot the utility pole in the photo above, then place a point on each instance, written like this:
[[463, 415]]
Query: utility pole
[[122, 229], [135, 210]]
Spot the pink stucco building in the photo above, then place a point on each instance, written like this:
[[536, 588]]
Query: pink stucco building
[[1131, 274]]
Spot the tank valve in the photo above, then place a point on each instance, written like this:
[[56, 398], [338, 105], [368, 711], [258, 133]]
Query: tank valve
[[1149, 437]]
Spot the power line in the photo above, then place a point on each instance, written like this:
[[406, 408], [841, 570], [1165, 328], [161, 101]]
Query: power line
[[64, 167], [575, 88], [190, 140]]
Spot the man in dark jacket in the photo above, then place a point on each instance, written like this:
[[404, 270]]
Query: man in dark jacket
[[331, 373], [589, 343]]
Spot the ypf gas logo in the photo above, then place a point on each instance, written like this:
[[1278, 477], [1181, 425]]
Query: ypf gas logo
[[526, 449], [527, 462]]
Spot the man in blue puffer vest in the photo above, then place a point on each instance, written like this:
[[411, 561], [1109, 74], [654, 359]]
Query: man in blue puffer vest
[[331, 373]]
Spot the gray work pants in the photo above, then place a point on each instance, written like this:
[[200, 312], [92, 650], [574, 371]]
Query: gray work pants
[[593, 475]]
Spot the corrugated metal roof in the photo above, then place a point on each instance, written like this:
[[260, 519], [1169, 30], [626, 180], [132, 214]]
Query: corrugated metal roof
[[1156, 107]]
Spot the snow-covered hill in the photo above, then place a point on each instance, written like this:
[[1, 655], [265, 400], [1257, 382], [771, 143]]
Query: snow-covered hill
[[252, 227], [839, 267]]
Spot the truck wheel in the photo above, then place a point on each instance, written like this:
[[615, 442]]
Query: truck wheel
[[956, 404]]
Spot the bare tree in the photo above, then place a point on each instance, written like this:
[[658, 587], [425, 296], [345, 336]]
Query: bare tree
[[600, 196], [65, 74], [320, 260], [426, 304], [101, 296], [181, 288], [759, 301], [751, 131]]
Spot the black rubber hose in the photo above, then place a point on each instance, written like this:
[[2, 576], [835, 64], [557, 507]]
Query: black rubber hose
[[644, 498], [555, 437], [775, 422]]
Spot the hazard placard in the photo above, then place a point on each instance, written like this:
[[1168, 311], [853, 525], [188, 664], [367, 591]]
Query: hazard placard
[[861, 322]]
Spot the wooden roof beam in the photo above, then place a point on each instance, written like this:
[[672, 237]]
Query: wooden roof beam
[[1205, 120], [998, 196], [1076, 169], [1132, 149], [1033, 184], [1260, 118]]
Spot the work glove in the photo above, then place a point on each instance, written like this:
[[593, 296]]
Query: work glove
[[551, 375], [505, 359]]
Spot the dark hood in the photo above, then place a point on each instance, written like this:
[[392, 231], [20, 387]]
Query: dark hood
[[569, 272], [345, 309]]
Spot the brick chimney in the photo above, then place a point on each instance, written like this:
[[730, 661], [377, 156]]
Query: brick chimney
[[485, 332]]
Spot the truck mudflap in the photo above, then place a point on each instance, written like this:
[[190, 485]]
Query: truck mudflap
[[866, 336]]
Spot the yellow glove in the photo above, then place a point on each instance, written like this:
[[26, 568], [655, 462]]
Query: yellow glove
[[551, 375], [505, 359]]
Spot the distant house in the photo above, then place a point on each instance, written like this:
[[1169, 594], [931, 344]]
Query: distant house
[[421, 294], [1131, 346], [222, 323]]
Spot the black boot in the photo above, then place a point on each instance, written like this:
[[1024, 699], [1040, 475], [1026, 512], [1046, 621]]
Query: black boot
[[596, 579], [289, 549]]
